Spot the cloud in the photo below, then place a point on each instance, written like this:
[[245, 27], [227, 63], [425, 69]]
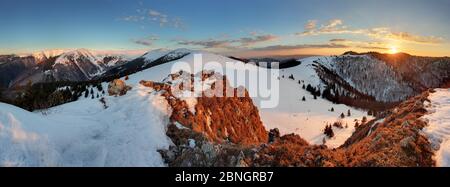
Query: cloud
[[302, 46], [207, 43], [146, 41], [336, 26], [372, 45], [247, 41], [130, 18], [331, 27], [145, 16], [311, 25], [230, 43], [338, 40]]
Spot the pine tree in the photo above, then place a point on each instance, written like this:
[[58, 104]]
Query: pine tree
[[86, 93], [303, 99], [332, 109], [342, 115], [348, 113], [329, 131], [356, 124], [291, 77], [315, 97], [364, 120], [303, 87]]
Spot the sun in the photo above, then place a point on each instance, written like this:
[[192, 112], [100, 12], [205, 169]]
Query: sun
[[393, 50]]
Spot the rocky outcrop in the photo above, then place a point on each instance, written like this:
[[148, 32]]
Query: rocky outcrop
[[232, 118], [193, 149], [226, 131], [396, 141], [118, 87]]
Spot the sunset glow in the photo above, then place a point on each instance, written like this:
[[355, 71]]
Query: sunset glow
[[393, 50], [237, 28]]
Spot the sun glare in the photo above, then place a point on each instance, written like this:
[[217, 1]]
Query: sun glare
[[393, 50]]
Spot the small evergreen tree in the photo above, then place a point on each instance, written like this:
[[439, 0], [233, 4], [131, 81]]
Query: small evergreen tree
[[348, 113], [291, 77], [332, 109], [342, 115], [303, 99], [364, 120], [328, 131], [86, 93]]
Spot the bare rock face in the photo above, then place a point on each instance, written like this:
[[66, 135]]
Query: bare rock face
[[221, 119], [274, 134], [118, 88], [397, 141], [193, 149]]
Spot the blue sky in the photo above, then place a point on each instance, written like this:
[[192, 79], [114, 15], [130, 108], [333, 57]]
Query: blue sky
[[253, 27]]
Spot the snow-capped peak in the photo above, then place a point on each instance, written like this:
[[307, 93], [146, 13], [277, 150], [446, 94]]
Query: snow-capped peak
[[66, 57], [42, 55], [155, 54]]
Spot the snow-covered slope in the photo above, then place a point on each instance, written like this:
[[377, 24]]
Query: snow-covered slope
[[308, 118], [83, 133], [292, 115], [154, 55], [130, 130], [369, 76], [438, 129], [81, 64], [43, 55]]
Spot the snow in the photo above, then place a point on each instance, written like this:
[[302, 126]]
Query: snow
[[191, 143], [190, 99], [438, 129], [83, 133], [291, 115], [130, 130], [64, 59], [154, 55], [308, 118], [382, 82], [41, 55]]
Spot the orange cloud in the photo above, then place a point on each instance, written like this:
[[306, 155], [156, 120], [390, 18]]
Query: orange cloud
[[336, 26]]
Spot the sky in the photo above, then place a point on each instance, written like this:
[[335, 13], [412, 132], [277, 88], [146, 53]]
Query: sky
[[235, 27]]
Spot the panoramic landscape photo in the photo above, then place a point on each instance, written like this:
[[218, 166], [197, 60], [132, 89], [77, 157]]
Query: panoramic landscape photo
[[202, 83]]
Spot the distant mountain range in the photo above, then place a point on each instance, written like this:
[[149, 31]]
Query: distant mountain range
[[332, 104], [369, 76]]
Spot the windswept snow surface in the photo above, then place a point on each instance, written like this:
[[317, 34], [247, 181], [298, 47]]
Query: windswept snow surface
[[438, 129], [83, 133]]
